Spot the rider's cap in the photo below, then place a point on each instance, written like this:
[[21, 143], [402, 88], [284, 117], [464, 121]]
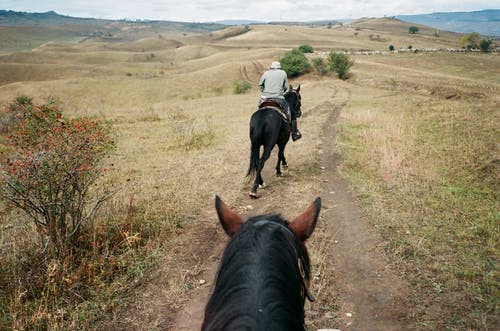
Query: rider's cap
[[275, 65]]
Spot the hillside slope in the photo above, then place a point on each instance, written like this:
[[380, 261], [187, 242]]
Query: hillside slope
[[486, 22]]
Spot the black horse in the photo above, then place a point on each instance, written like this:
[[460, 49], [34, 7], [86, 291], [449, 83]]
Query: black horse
[[268, 128], [263, 278]]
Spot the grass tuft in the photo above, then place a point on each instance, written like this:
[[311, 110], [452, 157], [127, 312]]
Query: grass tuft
[[191, 135]]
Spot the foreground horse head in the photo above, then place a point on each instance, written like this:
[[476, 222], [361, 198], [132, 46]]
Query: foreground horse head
[[267, 129], [263, 277]]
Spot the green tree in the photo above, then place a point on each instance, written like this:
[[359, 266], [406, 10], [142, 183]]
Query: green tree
[[474, 39], [412, 29], [464, 41], [340, 63], [391, 48], [306, 49], [485, 45], [295, 63]]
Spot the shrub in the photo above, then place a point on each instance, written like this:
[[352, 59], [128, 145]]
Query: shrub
[[391, 48], [410, 46], [340, 63], [412, 29], [485, 45], [241, 87], [51, 165], [320, 66], [294, 63], [306, 49], [472, 40]]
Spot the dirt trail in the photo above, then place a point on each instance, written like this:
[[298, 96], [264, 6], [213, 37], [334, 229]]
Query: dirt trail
[[369, 295]]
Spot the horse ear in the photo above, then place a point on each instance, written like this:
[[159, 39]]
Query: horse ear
[[298, 88], [230, 220], [303, 225], [290, 87]]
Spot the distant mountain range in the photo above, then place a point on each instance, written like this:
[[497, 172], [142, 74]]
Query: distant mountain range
[[51, 18], [239, 22], [15, 18], [486, 22]]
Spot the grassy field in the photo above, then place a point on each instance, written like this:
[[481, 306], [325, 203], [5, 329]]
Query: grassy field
[[422, 151], [418, 138]]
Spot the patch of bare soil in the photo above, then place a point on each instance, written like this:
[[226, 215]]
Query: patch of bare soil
[[354, 285]]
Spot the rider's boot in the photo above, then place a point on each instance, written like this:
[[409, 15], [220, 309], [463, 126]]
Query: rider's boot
[[296, 135]]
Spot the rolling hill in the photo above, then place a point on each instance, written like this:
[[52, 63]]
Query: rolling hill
[[486, 22], [23, 31]]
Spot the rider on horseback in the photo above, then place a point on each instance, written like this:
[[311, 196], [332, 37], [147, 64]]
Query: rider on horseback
[[274, 84]]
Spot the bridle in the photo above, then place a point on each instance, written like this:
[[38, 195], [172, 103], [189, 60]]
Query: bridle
[[305, 293]]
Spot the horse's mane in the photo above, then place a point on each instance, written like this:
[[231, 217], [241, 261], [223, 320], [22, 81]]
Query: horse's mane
[[258, 285]]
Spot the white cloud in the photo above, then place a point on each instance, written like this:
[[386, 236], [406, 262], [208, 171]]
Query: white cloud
[[243, 9]]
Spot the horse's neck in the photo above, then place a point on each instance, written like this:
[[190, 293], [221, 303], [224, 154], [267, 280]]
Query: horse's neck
[[291, 98]]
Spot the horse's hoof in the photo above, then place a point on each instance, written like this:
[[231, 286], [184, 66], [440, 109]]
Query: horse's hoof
[[263, 185], [253, 195], [285, 166], [279, 174]]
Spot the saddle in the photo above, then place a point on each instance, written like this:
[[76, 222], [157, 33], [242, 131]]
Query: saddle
[[275, 105]]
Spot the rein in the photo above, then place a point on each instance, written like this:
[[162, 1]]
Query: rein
[[300, 261]]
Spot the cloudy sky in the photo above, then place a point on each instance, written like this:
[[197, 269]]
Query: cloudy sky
[[262, 10]]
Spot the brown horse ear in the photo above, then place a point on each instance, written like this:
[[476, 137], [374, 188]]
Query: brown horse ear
[[230, 220], [303, 225], [290, 87], [298, 88]]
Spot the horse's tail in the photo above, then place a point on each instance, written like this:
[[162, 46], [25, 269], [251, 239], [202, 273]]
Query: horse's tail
[[254, 159]]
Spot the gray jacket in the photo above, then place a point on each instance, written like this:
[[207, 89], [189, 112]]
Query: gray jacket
[[273, 83]]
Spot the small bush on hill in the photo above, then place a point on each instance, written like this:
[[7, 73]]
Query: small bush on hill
[[320, 66], [391, 48], [340, 63], [412, 29], [306, 49], [295, 63], [241, 87]]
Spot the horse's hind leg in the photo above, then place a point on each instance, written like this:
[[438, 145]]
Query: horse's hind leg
[[258, 177], [281, 160]]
